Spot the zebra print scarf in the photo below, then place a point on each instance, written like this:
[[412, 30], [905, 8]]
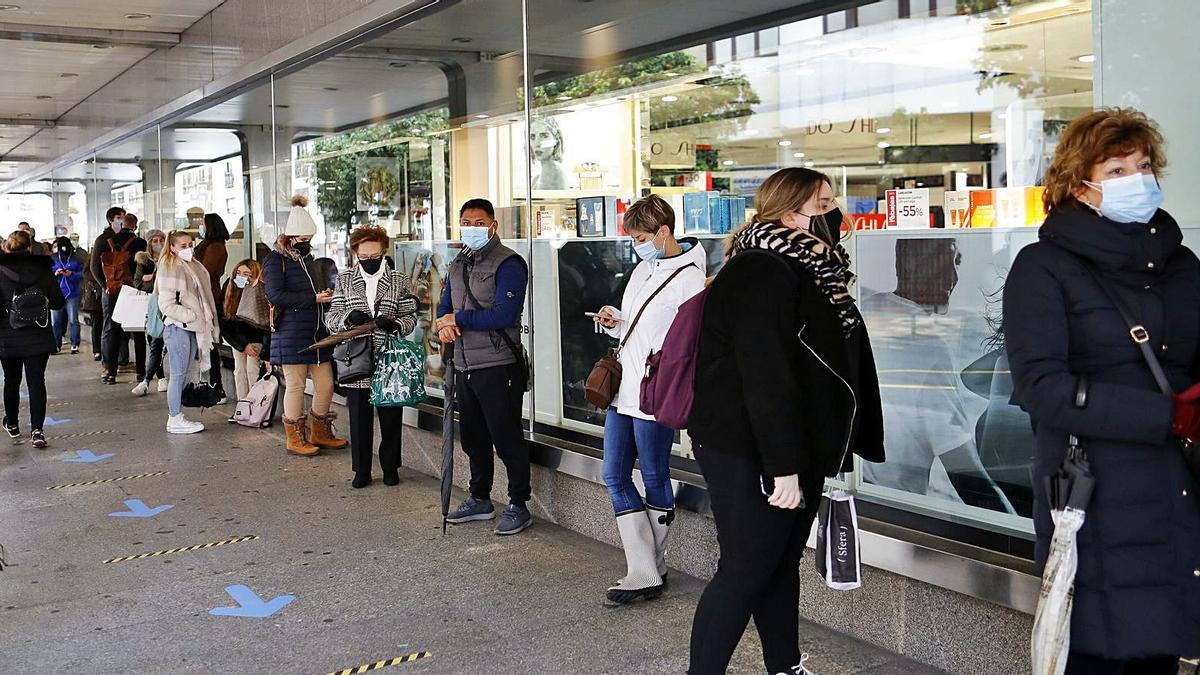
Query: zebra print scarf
[[829, 266]]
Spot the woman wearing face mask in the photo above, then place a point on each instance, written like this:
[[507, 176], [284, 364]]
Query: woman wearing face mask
[[144, 272], [669, 274], [785, 391], [1077, 371], [372, 292], [68, 270], [249, 343], [299, 293], [185, 299]]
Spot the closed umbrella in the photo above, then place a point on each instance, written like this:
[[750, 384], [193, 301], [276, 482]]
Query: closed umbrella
[[447, 431], [342, 336], [1068, 491]]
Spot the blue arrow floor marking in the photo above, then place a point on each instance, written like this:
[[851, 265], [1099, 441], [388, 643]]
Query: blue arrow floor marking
[[87, 457], [138, 509], [250, 605]]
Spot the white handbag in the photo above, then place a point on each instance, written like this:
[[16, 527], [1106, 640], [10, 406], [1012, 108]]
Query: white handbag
[[130, 310]]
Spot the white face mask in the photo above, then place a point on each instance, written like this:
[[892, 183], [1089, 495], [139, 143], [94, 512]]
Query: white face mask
[[185, 254]]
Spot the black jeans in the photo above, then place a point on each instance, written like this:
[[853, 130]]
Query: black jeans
[[362, 432], [115, 336], [154, 358], [214, 369], [34, 368], [758, 573], [1086, 664], [489, 414], [97, 332]]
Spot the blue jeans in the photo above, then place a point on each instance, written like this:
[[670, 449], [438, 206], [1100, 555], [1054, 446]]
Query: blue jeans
[[627, 439], [62, 318], [181, 351]]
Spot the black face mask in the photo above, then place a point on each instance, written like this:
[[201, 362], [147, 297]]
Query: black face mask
[[370, 265], [833, 223], [302, 247]]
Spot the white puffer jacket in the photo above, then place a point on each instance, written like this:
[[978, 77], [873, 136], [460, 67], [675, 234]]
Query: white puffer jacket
[[652, 328]]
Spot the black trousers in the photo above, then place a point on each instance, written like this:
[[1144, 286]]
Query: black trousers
[[34, 368], [362, 432], [1086, 664], [114, 337], [97, 332], [489, 415], [214, 369], [154, 358], [758, 573]]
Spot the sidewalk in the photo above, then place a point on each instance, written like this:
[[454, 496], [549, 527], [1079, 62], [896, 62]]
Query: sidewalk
[[371, 574]]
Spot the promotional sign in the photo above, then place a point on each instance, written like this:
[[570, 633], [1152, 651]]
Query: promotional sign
[[958, 208], [908, 209]]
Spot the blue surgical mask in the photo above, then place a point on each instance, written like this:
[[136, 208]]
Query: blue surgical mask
[[648, 251], [241, 281], [201, 231], [475, 238], [1128, 199], [118, 225]]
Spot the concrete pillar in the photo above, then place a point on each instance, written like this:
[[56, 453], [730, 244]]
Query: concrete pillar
[[1139, 64], [99, 202]]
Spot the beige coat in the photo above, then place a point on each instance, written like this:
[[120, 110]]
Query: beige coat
[[185, 299]]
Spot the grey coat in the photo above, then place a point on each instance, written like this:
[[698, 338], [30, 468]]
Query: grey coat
[[393, 299]]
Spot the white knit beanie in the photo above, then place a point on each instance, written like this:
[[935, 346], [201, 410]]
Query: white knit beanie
[[299, 223]]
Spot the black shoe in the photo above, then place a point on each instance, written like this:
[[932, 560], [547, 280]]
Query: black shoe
[[74, 351], [108, 379], [14, 430], [361, 480], [95, 357], [39, 438], [391, 477]]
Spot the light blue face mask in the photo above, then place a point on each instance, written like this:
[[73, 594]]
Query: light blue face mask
[[475, 238], [1128, 199], [648, 251], [202, 231], [241, 281]]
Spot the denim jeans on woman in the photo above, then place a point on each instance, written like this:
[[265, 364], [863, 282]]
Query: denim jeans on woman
[[626, 439], [67, 317], [181, 351]]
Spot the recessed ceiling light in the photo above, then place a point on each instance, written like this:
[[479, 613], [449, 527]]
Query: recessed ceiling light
[[784, 143], [330, 88], [728, 162], [8, 7], [1086, 58], [461, 40], [69, 75], [810, 164], [985, 135], [883, 130], [44, 97], [137, 16], [669, 98], [920, 184], [397, 64], [798, 155], [883, 144], [481, 116]]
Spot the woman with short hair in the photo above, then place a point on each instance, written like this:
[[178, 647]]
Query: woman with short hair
[[1078, 372], [371, 292]]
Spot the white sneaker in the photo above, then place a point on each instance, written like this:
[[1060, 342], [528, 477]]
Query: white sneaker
[[162, 384], [140, 389], [178, 424]]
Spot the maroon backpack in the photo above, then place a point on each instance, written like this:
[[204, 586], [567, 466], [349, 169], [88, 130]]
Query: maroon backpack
[[669, 385]]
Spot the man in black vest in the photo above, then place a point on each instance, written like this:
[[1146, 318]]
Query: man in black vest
[[114, 238], [480, 312]]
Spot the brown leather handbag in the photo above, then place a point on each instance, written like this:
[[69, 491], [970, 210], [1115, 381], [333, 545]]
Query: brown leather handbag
[[604, 381]]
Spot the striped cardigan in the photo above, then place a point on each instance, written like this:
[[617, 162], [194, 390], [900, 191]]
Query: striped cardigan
[[393, 299]]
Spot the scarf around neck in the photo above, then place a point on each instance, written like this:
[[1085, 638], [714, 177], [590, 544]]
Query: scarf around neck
[[828, 265]]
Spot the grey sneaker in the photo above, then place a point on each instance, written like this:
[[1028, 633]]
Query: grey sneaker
[[515, 519], [472, 509]]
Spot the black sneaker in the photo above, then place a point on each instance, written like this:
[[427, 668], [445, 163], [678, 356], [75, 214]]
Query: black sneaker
[[74, 351], [108, 379], [472, 509], [14, 430], [39, 438], [514, 520]]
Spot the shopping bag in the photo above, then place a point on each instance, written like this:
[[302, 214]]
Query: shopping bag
[[838, 559], [130, 310], [399, 377]]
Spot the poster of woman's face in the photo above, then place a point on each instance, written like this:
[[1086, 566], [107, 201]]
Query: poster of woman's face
[[561, 143]]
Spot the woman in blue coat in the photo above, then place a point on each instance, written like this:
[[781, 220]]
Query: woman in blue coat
[[68, 270], [299, 293], [1077, 371]]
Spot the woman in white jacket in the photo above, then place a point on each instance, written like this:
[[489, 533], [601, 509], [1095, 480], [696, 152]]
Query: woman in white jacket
[[190, 314], [671, 272]]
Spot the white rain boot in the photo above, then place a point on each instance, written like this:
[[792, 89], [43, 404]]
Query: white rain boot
[[641, 581], [660, 522]]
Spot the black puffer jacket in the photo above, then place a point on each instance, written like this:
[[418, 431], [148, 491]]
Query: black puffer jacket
[[1137, 591], [32, 271], [775, 374]]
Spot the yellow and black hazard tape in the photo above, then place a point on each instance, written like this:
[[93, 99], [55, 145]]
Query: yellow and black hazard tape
[[107, 480], [82, 434], [386, 663], [182, 549]]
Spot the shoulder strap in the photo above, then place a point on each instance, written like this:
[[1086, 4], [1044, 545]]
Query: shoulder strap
[[650, 299], [503, 333], [1137, 331], [128, 243]]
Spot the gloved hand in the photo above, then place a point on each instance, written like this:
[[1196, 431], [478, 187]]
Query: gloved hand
[[387, 323], [1187, 414], [357, 318]]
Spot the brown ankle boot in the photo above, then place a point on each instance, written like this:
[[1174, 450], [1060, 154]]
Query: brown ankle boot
[[322, 432], [297, 438]]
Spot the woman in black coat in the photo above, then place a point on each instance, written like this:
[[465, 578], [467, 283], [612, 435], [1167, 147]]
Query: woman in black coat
[[774, 415], [26, 350], [1077, 371]]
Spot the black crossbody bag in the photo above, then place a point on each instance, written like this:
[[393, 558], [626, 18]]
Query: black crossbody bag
[[1141, 337]]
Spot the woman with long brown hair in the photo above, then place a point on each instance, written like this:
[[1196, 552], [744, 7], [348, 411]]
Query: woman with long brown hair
[[186, 301], [785, 391], [248, 342]]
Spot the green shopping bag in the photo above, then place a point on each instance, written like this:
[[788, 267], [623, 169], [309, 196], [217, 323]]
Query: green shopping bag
[[399, 377]]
